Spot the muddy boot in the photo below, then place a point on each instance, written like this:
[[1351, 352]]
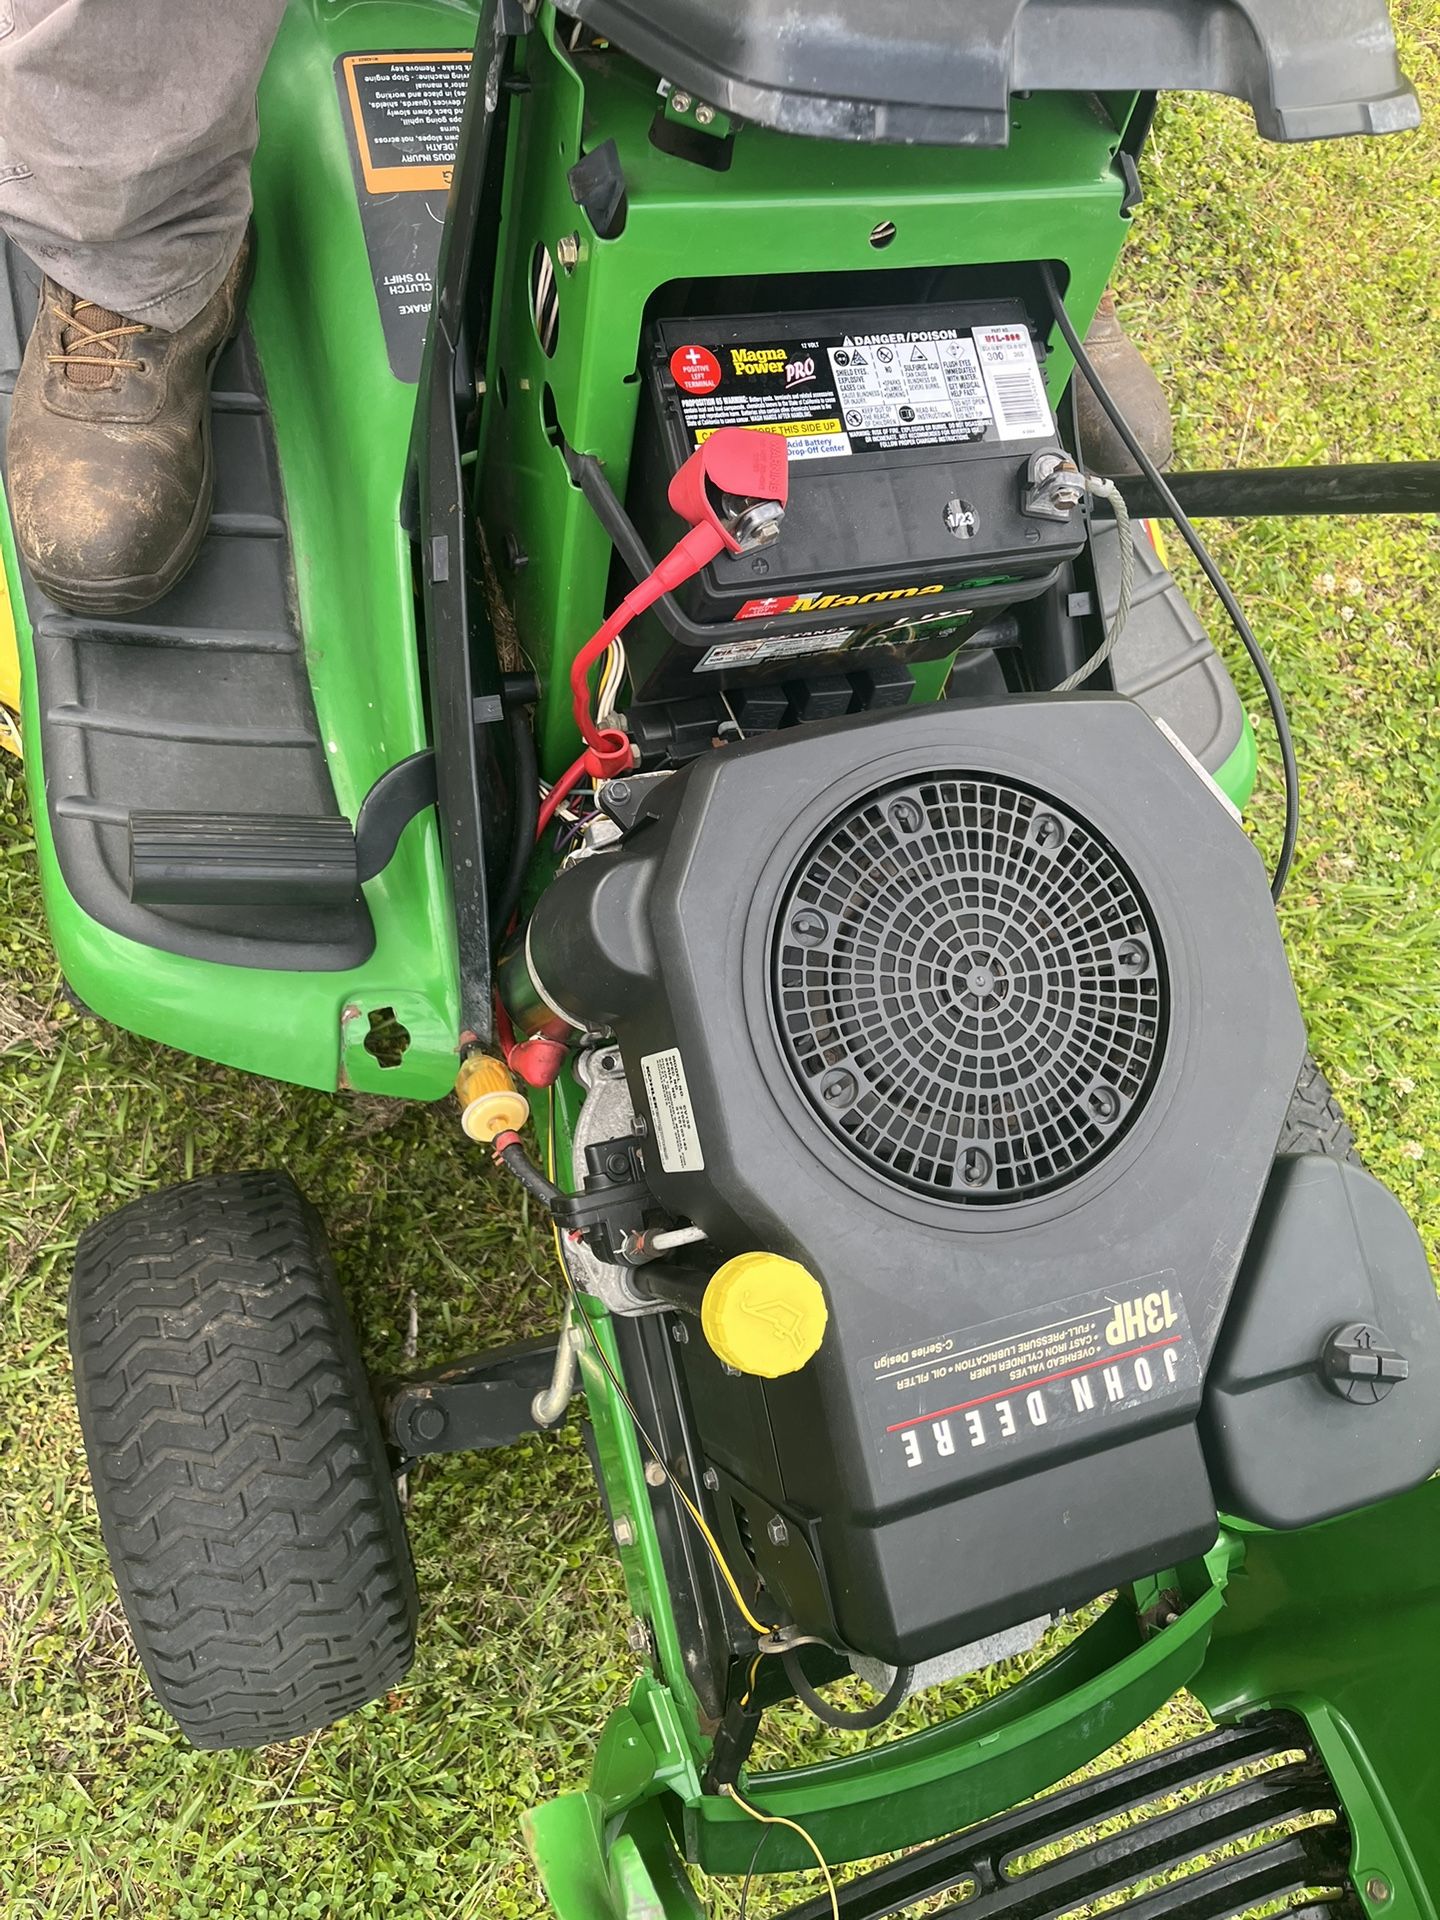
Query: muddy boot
[[109, 461], [1135, 390]]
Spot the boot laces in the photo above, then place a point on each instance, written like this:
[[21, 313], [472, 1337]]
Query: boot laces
[[94, 341]]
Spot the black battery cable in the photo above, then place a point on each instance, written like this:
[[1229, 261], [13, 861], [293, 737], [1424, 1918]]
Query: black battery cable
[[1207, 565]]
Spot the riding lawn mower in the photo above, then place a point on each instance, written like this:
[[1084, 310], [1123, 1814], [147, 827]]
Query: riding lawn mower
[[663, 668]]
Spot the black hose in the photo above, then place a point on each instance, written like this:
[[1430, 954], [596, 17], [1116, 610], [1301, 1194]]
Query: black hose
[[516, 1161], [525, 814], [859, 1721], [1212, 573]]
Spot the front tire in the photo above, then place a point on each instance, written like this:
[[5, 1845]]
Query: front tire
[[245, 1496]]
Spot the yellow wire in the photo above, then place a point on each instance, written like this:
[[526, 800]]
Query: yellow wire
[[779, 1820], [716, 1552]]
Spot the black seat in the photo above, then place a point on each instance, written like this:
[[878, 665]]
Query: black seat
[[941, 72]]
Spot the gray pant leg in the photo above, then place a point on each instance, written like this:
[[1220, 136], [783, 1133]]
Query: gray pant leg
[[126, 133]]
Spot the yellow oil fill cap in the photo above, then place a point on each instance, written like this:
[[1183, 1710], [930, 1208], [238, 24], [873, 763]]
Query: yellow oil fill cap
[[764, 1314]]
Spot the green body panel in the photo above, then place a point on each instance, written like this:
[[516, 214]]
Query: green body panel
[[785, 205], [1235, 777], [1342, 1622], [342, 428]]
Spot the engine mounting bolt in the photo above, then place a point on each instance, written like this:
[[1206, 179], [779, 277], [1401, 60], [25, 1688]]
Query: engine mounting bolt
[[710, 1480], [809, 927], [681, 102], [839, 1089], [704, 115], [975, 1167], [1132, 957], [906, 817], [1377, 1888], [777, 1532], [624, 1531], [1047, 831], [1104, 1103], [655, 1475]]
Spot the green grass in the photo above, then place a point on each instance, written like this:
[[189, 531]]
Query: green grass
[[1289, 299]]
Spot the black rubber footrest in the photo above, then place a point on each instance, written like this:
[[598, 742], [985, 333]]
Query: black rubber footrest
[[200, 704], [241, 860]]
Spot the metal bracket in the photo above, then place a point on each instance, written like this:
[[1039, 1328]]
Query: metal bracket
[[471, 1405]]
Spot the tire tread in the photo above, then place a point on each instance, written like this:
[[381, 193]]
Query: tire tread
[[245, 1496]]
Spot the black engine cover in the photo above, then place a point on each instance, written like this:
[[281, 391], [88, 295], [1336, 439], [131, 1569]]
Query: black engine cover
[[982, 1014]]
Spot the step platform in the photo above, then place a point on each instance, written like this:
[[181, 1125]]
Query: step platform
[[199, 706]]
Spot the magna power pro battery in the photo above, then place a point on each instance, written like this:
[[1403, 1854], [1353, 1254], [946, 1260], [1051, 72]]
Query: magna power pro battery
[[910, 431]]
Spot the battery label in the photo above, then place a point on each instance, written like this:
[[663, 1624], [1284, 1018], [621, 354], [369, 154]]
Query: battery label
[[969, 1395], [780, 646], [841, 394], [1012, 379]]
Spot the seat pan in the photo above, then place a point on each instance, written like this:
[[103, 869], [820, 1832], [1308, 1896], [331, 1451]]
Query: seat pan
[[942, 72]]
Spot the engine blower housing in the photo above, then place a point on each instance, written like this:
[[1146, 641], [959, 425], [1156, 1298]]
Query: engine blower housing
[[981, 1014]]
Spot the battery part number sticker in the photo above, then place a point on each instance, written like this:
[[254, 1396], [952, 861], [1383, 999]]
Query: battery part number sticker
[[783, 646], [1012, 379], [677, 1139], [867, 392], [964, 1397]]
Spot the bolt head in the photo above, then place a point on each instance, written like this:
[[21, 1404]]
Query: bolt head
[[710, 1480], [681, 102], [1377, 1888], [429, 1422], [655, 1475], [777, 1532], [637, 1637], [624, 1531], [704, 115], [567, 251]]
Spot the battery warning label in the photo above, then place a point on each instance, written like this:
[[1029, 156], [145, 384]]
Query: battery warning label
[[861, 393], [969, 1395]]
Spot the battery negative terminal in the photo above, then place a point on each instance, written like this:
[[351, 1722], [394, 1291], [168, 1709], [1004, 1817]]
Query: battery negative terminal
[[1054, 486]]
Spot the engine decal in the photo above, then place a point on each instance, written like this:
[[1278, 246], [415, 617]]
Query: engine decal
[[677, 1138], [971, 1393]]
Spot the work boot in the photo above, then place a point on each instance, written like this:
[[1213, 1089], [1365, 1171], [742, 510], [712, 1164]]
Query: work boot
[[110, 464], [1135, 390]]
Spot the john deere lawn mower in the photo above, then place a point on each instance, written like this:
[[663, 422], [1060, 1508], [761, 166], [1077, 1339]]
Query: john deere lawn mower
[[664, 666]]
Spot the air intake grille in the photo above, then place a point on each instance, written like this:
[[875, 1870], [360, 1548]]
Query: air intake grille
[[970, 988]]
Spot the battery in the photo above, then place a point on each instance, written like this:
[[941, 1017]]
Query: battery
[[910, 432]]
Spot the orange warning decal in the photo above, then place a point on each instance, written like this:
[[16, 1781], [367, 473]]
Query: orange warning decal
[[407, 109]]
